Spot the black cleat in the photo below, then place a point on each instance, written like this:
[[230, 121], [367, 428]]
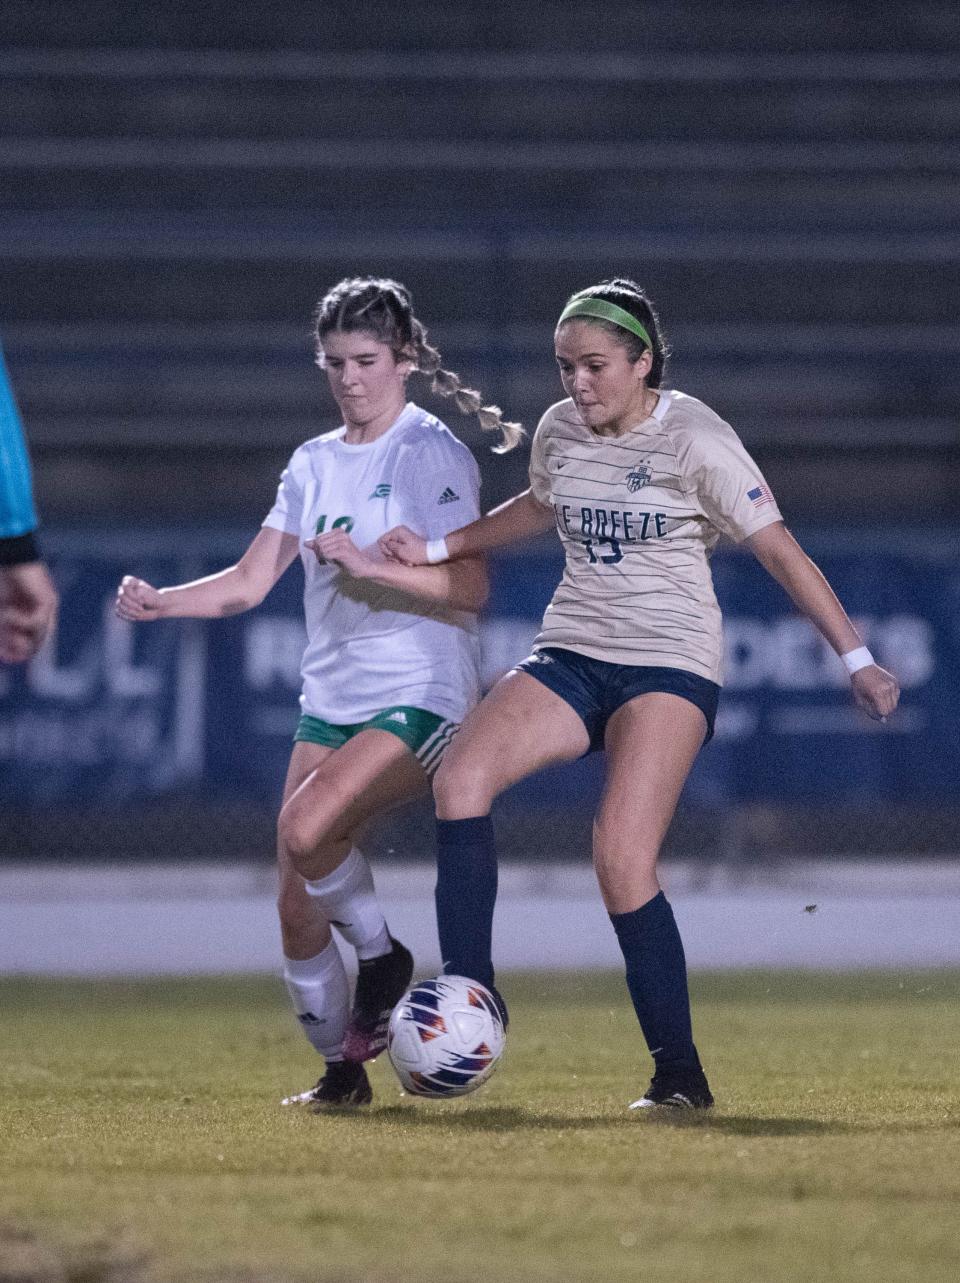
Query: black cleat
[[381, 983], [501, 1005], [676, 1089], [343, 1086]]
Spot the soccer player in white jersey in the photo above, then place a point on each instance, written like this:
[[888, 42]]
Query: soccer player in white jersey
[[640, 483], [391, 664]]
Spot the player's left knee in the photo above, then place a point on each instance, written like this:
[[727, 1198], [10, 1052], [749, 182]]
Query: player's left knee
[[299, 836], [616, 861], [460, 792]]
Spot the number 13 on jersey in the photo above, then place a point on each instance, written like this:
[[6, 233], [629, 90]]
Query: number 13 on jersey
[[594, 551]]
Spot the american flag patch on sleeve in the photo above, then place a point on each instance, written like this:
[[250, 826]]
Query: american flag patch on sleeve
[[760, 495]]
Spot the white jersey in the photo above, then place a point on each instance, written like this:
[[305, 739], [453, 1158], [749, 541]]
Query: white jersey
[[370, 646], [639, 515]]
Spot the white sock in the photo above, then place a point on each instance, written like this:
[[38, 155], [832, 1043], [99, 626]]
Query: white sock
[[321, 998], [350, 904]]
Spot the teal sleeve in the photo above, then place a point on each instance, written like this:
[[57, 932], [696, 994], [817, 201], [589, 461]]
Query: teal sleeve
[[17, 514]]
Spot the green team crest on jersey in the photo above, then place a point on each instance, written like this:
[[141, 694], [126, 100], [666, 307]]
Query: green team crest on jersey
[[341, 523]]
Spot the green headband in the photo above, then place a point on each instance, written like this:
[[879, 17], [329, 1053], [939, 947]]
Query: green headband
[[604, 311]]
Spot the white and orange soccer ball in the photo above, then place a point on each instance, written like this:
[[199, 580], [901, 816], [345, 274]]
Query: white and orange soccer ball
[[446, 1037]]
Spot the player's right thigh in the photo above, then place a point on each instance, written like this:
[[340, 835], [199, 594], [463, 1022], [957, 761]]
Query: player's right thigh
[[520, 727]]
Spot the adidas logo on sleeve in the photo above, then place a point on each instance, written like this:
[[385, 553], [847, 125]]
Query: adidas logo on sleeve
[[448, 496]]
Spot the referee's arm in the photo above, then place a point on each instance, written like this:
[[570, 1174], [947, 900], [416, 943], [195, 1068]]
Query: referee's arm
[[18, 518]]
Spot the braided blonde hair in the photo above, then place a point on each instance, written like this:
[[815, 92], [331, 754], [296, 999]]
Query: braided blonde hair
[[384, 308]]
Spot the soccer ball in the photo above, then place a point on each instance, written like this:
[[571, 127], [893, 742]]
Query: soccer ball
[[445, 1036]]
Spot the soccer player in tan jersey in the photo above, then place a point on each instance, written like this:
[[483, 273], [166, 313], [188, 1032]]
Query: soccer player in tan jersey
[[640, 483]]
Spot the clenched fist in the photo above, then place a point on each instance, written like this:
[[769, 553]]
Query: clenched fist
[[138, 601], [401, 544], [876, 691]]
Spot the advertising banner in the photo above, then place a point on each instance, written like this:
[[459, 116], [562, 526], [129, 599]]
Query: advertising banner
[[110, 711]]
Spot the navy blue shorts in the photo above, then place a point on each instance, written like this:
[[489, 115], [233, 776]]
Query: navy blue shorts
[[595, 689]]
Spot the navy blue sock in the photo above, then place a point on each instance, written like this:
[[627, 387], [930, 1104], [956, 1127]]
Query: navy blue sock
[[657, 980], [465, 896]]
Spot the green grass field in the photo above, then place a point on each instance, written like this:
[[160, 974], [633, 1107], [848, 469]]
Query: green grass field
[[141, 1139]]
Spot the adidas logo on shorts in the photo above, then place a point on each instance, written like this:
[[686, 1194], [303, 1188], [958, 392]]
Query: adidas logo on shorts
[[448, 496], [397, 717]]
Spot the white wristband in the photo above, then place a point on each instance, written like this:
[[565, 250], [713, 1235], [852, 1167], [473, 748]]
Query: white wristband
[[437, 551], [854, 660]]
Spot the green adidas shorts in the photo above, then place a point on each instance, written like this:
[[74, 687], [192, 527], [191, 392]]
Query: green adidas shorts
[[426, 734]]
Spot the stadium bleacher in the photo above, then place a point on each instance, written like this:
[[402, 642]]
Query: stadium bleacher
[[177, 188]]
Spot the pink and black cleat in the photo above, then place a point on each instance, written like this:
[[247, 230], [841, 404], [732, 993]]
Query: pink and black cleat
[[381, 983]]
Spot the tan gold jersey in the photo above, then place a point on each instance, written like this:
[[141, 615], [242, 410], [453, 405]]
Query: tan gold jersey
[[639, 516]]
